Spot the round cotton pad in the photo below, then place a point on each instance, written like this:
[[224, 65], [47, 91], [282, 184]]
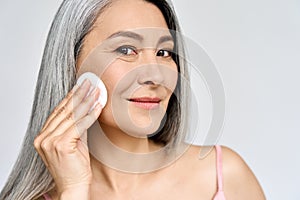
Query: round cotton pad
[[96, 82]]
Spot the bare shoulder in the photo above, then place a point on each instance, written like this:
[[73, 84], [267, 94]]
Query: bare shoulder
[[239, 181]]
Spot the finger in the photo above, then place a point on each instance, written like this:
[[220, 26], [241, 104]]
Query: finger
[[79, 112], [83, 142], [68, 143], [86, 122], [61, 113], [37, 146], [60, 105]]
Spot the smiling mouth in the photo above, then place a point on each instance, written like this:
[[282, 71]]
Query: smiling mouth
[[147, 103]]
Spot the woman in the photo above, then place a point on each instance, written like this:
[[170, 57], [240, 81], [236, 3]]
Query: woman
[[62, 167]]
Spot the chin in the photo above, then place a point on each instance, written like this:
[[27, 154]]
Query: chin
[[141, 130]]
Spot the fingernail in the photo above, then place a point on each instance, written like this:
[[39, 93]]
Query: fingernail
[[92, 90], [95, 93], [75, 87], [98, 106], [85, 83]]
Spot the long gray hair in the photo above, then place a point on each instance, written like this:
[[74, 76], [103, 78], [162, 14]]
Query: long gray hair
[[30, 178]]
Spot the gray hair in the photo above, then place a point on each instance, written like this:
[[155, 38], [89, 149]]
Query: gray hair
[[30, 178]]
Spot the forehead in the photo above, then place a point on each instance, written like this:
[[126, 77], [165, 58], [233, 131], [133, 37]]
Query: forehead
[[128, 14]]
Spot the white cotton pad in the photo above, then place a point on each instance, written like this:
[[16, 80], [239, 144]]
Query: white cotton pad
[[96, 82]]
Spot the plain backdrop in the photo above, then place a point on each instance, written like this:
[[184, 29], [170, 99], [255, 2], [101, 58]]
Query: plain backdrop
[[255, 46]]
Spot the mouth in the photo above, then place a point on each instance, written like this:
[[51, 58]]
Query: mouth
[[147, 103]]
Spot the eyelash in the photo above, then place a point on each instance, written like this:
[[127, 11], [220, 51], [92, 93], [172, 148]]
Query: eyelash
[[121, 49], [125, 49], [165, 51]]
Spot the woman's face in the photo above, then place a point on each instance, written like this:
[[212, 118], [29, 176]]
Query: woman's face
[[130, 49]]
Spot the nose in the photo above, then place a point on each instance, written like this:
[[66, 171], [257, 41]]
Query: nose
[[150, 71]]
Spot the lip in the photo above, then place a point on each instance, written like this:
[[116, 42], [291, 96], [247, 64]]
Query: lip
[[148, 103]]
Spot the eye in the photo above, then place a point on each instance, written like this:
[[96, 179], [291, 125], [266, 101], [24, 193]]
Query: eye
[[164, 53], [126, 50]]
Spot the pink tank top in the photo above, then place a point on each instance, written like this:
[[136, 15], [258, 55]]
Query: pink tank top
[[219, 195], [47, 197]]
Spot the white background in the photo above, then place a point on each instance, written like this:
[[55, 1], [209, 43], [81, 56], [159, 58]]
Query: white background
[[255, 46]]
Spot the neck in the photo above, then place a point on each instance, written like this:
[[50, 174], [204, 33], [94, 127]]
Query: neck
[[110, 180], [118, 162], [143, 155], [118, 159]]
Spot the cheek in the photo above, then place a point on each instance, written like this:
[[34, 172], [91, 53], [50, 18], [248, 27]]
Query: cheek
[[113, 78], [118, 78]]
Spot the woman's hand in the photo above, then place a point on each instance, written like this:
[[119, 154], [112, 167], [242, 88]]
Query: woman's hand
[[62, 141]]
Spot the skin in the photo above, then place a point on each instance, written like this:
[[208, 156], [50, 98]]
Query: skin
[[78, 175]]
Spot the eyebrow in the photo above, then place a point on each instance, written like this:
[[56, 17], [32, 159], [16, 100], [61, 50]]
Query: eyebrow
[[127, 34], [130, 34], [165, 38]]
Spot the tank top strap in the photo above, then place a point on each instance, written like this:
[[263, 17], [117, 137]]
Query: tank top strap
[[219, 167], [46, 196]]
